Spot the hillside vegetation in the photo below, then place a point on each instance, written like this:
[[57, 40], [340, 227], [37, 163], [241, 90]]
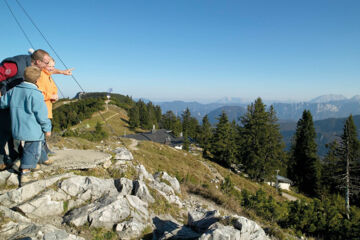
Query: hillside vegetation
[[233, 192]]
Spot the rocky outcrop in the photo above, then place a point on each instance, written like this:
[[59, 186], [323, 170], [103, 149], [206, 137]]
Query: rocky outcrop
[[122, 155], [210, 225], [121, 205]]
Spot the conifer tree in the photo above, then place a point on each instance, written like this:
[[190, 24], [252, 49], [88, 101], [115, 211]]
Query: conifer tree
[[158, 114], [171, 122], [134, 120], [262, 147], [348, 151], [330, 169], [186, 144], [304, 166], [186, 117], [168, 120], [223, 142], [205, 135], [144, 117]]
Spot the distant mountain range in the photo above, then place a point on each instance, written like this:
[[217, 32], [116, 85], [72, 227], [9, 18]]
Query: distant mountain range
[[323, 107], [327, 130]]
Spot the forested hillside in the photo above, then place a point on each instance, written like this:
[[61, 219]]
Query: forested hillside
[[255, 149]]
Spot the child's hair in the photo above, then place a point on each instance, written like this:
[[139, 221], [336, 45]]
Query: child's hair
[[32, 74], [52, 60]]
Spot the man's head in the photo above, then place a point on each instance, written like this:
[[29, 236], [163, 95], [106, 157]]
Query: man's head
[[32, 74], [40, 58]]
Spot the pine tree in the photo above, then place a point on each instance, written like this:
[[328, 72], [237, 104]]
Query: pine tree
[[158, 114], [330, 169], [144, 117], [205, 135], [223, 142], [171, 122], [134, 120], [305, 166], [261, 150], [152, 115], [186, 117], [348, 151], [186, 144]]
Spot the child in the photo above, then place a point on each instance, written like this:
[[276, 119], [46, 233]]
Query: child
[[48, 88], [29, 119]]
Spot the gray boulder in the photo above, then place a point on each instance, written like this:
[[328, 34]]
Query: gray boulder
[[249, 229], [169, 229], [220, 232], [124, 186], [123, 154], [201, 222], [86, 188], [12, 231], [42, 207], [18, 196], [140, 190], [109, 211], [174, 183]]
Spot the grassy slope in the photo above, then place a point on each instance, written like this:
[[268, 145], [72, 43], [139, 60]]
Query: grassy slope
[[195, 173]]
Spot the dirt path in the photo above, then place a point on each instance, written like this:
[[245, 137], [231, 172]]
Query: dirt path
[[289, 197], [133, 144], [112, 116]]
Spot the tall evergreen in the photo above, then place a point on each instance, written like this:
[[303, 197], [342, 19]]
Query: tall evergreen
[[186, 117], [330, 169], [186, 144], [349, 160], [158, 114], [205, 135], [304, 168], [223, 142], [134, 120], [152, 117], [171, 122], [145, 121], [262, 148]]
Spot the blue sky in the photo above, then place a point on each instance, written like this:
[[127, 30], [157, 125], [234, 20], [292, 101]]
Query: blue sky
[[196, 50]]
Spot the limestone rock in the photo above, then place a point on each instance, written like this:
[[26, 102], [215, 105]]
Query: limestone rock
[[166, 191], [15, 216], [130, 229], [13, 230], [219, 231], [140, 190], [249, 229], [4, 175], [18, 196], [168, 229], [123, 154], [202, 223], [42, 207], [174, 183], [143, 174], [124, 186], [9, 178], [86, 188], [77, 159], [107, 164], [109, 211]]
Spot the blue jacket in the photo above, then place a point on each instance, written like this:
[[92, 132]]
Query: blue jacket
[[29, 117]]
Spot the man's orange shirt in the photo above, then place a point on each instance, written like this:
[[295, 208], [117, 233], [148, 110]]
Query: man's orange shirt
[[48, 88]]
